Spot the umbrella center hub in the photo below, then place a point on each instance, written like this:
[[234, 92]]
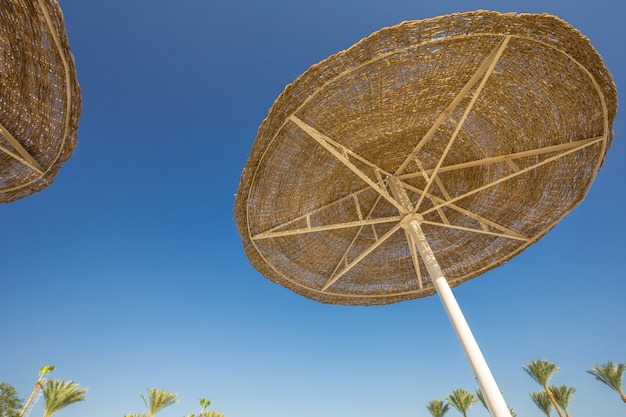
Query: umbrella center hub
[[409, 218]]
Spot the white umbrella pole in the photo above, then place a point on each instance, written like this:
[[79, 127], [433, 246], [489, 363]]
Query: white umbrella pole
[[491, 392]]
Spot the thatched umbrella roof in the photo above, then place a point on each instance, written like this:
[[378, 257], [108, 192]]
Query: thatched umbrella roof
[[495, 124], [40, 101]]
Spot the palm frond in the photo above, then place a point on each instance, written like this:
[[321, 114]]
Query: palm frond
[[481, 398], [59, 394], [157, 400], [437, 408], [204, 403], [610, 374], [542, 401], [562, 395], [461, 400], [541, 371]]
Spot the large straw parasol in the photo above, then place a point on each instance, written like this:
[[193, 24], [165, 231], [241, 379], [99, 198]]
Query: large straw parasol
[[433, 149], [40, 97]]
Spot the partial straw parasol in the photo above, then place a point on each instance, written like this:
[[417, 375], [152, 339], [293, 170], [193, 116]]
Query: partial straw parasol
[[493, 126], [40, 101]]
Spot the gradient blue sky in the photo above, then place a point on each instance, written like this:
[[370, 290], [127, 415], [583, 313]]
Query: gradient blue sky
[[128, 272]]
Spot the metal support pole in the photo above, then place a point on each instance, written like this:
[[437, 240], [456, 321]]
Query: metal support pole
[[411, 222], [493, 397]]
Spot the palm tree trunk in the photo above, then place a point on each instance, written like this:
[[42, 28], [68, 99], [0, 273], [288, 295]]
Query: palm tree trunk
[[30, 399], [556, 406]]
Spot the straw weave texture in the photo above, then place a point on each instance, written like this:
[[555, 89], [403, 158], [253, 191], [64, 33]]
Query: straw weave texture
[[40, 101], [490, 170]]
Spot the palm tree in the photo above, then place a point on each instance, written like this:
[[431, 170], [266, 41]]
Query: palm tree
[[204, 405], [438, 408], [542, 371], [43, 371], [60, 394], [562, 395], [461, 400], [157, 400], [542, 401], [213, 414], [481, 397], [611, 375]]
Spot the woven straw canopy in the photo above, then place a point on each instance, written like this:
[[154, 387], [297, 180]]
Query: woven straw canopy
[[494, 124], [39, 97]]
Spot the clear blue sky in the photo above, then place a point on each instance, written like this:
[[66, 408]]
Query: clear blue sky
[[128, 272]]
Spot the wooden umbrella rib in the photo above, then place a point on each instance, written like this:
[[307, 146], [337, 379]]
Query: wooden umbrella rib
[[325, 142], [465, 212], [512, 164], [479, 231], [493, 59], [443, 190], [362, 256], [421, 169], [325, 228], [347, 153], [441, 187], [313, 212], [357, 206], [68, 74], [22, 154], [482, 68], [344, 257], [521, 171], [508, 158], [443, 216]]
